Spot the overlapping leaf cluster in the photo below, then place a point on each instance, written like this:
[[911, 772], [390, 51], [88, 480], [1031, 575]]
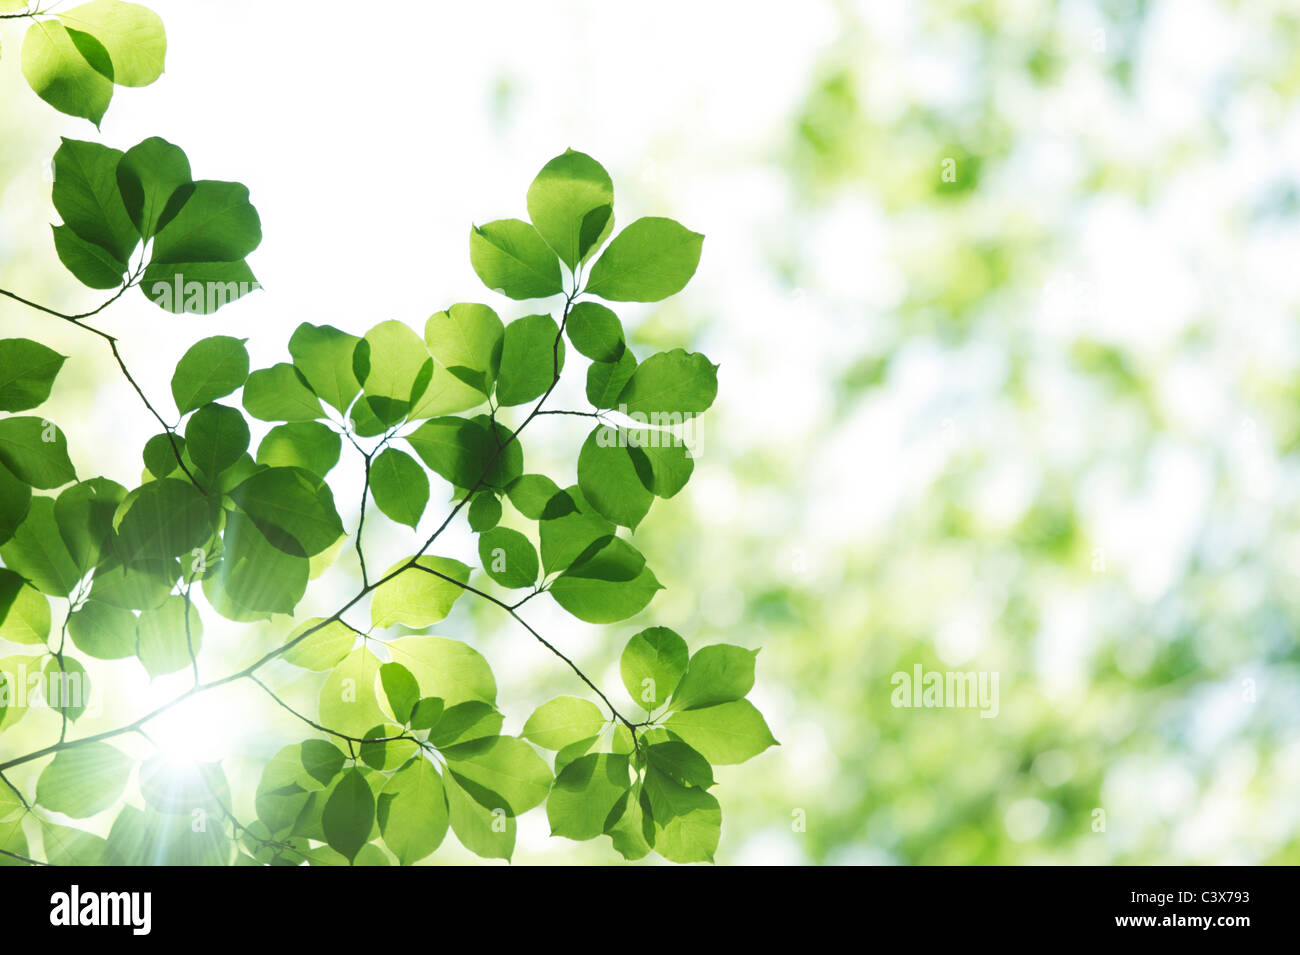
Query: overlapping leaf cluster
[[406, 741]]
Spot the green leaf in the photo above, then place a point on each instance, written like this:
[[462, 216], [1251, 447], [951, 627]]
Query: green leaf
[[215, 438], [503, 765], [158, 839], [530, 493], [59, 73], [511, 258], [628, 833], [210, 369], [610, 479], [400, 486], [196, 288], [329, 643], [570, 529], [428, 711], [401, 690], [292, 507], [471, 720], [508, 557], [725, 733], [719, 673], [416, 597], [83, 780], [561, 198], [671, 383], [166, 643], [92, 266], [27, 371], [323, 354], [37, 552], [484, 512], [35, 452], [322, 760], [648, 261], [84, 513], [679, 762], [348, 700], [394, 368], [132, 35], [161, 454], [562, 722], [66, 687], [480, 818], [604, 601], [148, 175], [587, 793], [216, 223], [464, 451], [86, 196], [448, 669], [103, 631], [596, 332], [652, 665], [687, 821], [664, 463], [15, 499], [465, 340], [280, 393], [67, 846], [24, 610], [255, 577], [164, 518], [301, 444], [606, 380], [349, 814], [532, 356], [413, 811]]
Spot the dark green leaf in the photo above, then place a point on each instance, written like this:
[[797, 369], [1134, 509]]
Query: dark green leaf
[[596, 332], [322, 760], [215, 437], [35, 452], [400, 486], [15, 499], [464, 452], [37, 552], [532, 356], [27, 371], [508, 557], [349, 814], [400, 688], [92, 266], [530, 494], [606, 380], [686, 820], [292, 507], [84, 513], [163, 454], [680, 763], [610, 479], [215, 223], [197, 288], [148, 175], [324, 356], [484, 512]]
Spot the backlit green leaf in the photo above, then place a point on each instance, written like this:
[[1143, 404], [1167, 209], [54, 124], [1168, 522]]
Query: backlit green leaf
[[511, 258], [650, 260], [210, 369]]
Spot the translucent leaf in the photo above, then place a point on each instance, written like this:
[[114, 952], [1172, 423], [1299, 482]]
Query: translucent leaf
[[301, 444], [215, 438], [610, 479], [508, 557], [83, 780], [401, 690], [671, 383], [466, 342], [323, 648], [92, 266], [724, 734], [349, 702], [37, 552], [565, 192], [503, 765], [210, 369], [448, 669], [27, 372], [84, 514], [680, 762], [400, 486], [596, 332], [280, 393], [59, 73], [650, 260], [416, 597], [511, 258], [532, 355], [481, 819], [484, 512], [24, 610], [292, 507], [413, 811], [394, 368], [132, 35], [103, 631], [148, 175], [215, 223], [563, 721], [324, 356], [586, 794], [606, 380], [652, 664], [686, 820], [164, 518], [165, 643], [530, 493], [348, 814], [15, 500], [35, 452], [719, 673]]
